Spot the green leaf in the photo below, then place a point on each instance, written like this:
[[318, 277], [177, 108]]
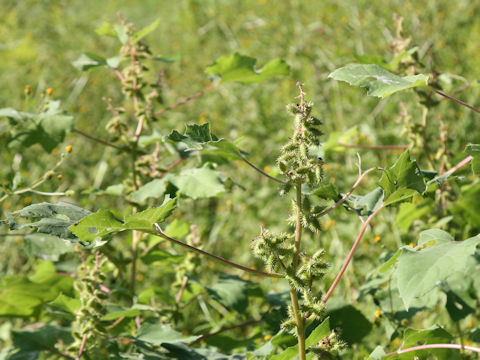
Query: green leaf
[[433, 335], [314, 338], [366, 204], [377, 354], [47, 247], [40, 339], [198, 182], [474, 150], [153, 189], [321, 331], [327, 192], [106, 29], [157, 334], [241, 69], [459, 305], [409, 212], [137, 36], [439, 257], [51, 219], [89, 61], [199, 137], [230, 291], [47, 128], [160, 256], [20, 296], [96, 227], [114, 315], [144, 220], [66, 303], [378, 81], [355, 326], [402, 180]]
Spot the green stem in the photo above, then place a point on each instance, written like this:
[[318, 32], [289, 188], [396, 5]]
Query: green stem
[[300, 321]]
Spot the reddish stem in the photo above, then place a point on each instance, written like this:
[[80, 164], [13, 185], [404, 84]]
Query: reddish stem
[[350, 254], [434, 346], [345, 197], [187, 99], [381, 147]]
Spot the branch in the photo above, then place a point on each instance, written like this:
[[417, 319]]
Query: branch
[[106, 143], [455, 100], [187, 99], [459, 165], [434, 346], [261, 171], [159, 231], [382, 147], [350, 254], [345, 197]]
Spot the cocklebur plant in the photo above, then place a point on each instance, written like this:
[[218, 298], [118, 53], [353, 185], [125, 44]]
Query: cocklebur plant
[[282, 252]]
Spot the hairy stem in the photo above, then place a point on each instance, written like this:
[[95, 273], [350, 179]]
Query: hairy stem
[[300, 321]]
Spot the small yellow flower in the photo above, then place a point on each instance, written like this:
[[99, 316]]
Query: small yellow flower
[[246, 277], [49, 91], [328, 224], [468, 343], [28, 90], [377, 238], [59, 176], [27, 200], [378, 313], [140, 277], [412, 245], [267, 337], [267, 169], [404, 322], [229, 202], [470, 324], [69, 148]]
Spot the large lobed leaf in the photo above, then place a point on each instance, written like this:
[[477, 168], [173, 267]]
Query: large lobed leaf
[[378, 81], [101, 224], [240, 68], [436, 258], [47, 128]]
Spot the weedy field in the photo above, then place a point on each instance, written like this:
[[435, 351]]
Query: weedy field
[[239, 180]]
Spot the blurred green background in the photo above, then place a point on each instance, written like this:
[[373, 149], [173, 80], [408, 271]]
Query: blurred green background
[[40, 39]]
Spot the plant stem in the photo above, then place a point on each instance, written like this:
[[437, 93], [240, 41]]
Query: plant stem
[[434, 346], [350, 254], [82, 347], [261, 171], [381, 147], [100, 141], [187, 99], [300, 321], [345, 197], [159, 231], [455, 99]]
